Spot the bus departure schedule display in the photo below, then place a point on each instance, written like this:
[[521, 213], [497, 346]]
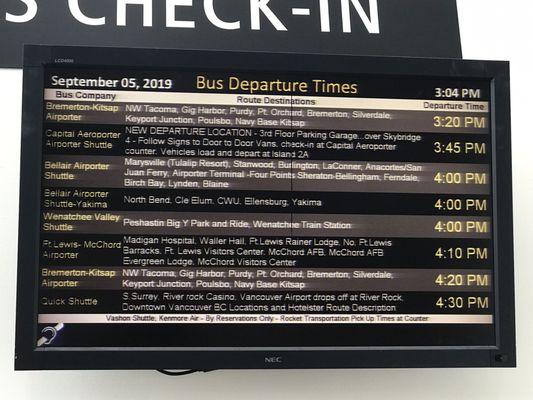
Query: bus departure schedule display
[[186, 208]]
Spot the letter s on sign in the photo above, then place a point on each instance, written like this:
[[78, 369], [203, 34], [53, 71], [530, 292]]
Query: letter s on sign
[[30, 13]]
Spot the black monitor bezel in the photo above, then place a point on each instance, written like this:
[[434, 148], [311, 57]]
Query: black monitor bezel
[[36, 57]]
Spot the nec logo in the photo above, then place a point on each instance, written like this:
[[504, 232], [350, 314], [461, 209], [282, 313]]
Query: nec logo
[[273, 360]]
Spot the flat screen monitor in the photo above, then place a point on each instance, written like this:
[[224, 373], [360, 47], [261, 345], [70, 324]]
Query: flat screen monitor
[[205, 210]]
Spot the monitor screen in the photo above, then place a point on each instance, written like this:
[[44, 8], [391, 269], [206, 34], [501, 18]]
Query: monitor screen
[[240, 210]]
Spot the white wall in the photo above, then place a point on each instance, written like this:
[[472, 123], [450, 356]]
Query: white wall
[[491, 29]]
